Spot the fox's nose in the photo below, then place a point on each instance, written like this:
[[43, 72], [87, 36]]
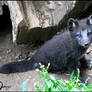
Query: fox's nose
[[87, 43]]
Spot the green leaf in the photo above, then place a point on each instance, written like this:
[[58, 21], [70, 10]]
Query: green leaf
[[74, 89], [38, 89], [52, 77], [23, 85], [85, 87], [89, 86]]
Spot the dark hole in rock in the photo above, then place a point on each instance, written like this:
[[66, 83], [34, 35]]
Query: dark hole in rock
[[87, 12], [5, 21]]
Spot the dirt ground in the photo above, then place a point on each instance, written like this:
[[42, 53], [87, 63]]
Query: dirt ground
[[10, 52]]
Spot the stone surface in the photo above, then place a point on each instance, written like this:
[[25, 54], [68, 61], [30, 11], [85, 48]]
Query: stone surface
[[26, 15]]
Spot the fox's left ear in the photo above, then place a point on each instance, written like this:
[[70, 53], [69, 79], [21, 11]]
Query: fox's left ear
[[89, 20], [72, 24]]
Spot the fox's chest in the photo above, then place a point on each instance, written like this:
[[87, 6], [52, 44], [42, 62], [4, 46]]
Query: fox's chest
[[74, 55]]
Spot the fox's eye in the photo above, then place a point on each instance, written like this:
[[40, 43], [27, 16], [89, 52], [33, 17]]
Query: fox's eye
[[78, 34], [89, 32]]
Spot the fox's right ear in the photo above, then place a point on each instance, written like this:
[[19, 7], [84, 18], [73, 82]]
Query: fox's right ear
[[89, 20], [72, 24]]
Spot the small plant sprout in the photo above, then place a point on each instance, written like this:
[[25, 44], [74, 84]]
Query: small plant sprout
[[50, 83]]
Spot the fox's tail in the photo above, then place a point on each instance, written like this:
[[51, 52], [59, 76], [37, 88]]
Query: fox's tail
[[21, 66]]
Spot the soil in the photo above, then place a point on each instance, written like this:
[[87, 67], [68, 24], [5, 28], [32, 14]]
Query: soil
[[10, 52]]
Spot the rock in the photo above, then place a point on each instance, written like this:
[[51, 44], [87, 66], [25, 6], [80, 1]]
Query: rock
[[28, 15]]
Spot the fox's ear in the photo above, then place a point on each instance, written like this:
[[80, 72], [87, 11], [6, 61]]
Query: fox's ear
[[71, 24], [89, 20]]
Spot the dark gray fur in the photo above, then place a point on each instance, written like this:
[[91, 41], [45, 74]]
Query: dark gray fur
[[64, 51]]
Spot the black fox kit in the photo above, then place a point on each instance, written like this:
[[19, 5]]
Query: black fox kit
[[64, 52]]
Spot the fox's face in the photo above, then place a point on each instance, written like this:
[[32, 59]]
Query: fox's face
[[81, 31]]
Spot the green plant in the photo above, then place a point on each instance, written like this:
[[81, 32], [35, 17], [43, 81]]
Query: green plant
[[50, 83]]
